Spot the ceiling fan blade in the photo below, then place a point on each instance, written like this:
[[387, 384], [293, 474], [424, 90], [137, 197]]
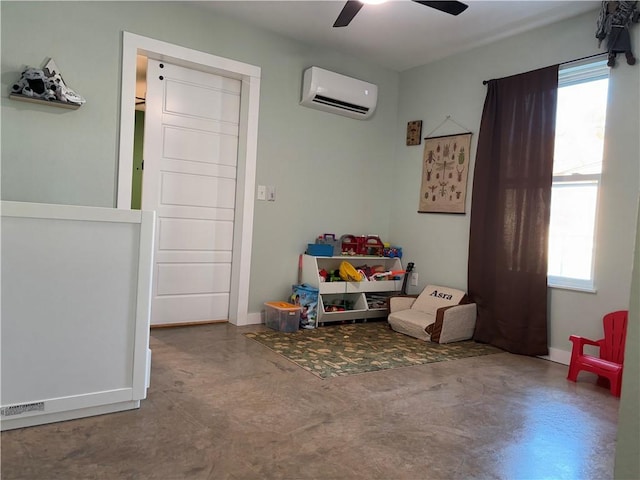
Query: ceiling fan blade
[[452, 8], [350, 9]]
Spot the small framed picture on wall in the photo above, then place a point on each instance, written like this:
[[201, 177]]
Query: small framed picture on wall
[[414, 132]]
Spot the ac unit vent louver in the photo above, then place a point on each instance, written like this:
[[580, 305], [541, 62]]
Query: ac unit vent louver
[[337, 103]]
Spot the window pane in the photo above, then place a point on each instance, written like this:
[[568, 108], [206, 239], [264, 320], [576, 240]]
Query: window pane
[[580, 124], [573, 211]]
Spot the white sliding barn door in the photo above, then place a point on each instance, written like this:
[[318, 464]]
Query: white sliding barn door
[[190, 167]]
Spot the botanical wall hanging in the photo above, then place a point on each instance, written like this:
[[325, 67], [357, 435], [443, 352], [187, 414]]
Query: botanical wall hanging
[[445, 167]]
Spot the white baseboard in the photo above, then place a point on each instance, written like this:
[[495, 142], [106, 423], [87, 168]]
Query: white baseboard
[[252, 318], [67, 408], [558, 356], [71, 415]]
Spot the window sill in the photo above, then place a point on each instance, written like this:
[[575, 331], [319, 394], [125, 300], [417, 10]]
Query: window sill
[[573, 288]]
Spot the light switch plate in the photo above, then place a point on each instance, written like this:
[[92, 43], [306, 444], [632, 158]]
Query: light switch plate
[[414, 279], [271, 193], [262, 192]]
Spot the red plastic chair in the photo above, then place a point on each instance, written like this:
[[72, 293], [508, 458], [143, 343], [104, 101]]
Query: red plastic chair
[[609, 366]]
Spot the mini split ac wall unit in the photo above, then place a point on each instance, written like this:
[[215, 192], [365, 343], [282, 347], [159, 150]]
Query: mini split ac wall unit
[[336, 93]]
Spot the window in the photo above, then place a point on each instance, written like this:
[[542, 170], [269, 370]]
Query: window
[[577, 165]]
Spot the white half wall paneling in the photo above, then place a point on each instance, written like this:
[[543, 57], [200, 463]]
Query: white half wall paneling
[[75, 311]]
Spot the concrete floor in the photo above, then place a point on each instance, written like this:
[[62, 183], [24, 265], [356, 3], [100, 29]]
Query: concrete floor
[[222, 406]]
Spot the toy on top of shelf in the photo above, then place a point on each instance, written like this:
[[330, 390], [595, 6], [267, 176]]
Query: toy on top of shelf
[[374, 246], [330, 239], [45, 84], [349, 245], [392, 251], [320, 250], [368, 245], [33, 83]]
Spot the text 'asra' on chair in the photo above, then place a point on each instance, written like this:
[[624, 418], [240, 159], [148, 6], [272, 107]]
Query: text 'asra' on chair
[[608, 366], [438, 314]]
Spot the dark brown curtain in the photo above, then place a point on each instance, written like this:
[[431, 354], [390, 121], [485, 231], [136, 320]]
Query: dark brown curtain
[[510, 211]]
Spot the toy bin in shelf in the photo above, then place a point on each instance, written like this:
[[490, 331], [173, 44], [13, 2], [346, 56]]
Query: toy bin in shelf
[[343, 306], [282, 316]]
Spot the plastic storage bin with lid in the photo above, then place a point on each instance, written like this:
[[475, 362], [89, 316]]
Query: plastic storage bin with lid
[[282, 316]]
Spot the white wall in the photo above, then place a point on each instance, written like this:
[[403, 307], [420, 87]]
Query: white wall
[[438, 244], [331, 173]]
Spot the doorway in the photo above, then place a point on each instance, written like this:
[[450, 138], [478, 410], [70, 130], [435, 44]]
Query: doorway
[[138, 135], [249, 78]]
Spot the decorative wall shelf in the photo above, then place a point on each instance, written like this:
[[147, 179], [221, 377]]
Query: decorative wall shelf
[[53, 103]]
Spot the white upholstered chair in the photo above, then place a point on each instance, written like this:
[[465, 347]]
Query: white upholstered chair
[[438, 314]]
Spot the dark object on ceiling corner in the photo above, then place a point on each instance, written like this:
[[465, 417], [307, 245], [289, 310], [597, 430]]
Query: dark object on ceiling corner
[[352, 7]]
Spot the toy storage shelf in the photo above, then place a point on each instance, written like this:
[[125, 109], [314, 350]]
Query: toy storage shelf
[[356, 293], [52, 103]]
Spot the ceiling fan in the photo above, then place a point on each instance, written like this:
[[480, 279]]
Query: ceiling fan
[[352, 7]]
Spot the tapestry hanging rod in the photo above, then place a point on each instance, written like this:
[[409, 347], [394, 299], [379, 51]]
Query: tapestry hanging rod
[[484, 82], [447, 119]]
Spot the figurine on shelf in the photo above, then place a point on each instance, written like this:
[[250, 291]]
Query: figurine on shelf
[[613, 24], [45, 84], [33, 83], [64, 93]]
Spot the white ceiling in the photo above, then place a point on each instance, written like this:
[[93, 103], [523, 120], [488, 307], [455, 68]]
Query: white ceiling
[[400, 34]]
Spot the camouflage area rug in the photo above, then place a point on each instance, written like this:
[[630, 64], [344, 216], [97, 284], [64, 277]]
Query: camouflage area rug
[[339, 350]]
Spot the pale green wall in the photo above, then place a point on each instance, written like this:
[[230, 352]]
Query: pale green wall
[[332, 173], [438, 244]]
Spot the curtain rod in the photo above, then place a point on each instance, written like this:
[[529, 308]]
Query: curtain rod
[[484, 82]]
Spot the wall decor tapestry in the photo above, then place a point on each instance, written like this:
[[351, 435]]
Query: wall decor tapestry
[[445, 166]]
